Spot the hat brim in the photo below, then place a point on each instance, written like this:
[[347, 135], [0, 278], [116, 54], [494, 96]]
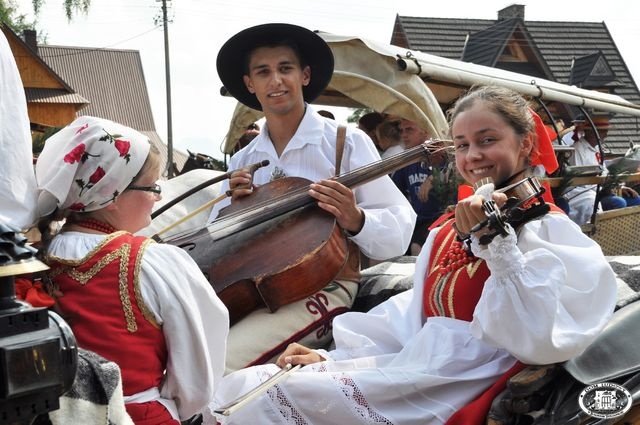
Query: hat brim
[[314, 50]]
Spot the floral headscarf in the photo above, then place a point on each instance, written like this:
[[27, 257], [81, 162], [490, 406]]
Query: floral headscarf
[[86, 165]]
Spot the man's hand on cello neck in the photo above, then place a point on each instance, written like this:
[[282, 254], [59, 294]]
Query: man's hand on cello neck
[[340, 201], [331, 195], [240, 184]]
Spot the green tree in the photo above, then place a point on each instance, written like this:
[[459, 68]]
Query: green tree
[[70, 6], [358, 113], [40, 139], [10, 17]]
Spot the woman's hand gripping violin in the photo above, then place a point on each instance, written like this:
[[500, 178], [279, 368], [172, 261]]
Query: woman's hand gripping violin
[[524, 203]]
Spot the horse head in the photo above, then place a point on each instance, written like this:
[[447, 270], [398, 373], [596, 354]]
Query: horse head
[[629, 163], [633, 152], [198, 160]]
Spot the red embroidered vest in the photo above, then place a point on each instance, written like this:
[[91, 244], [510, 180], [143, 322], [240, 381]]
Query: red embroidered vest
[[101, 299], [454, 292]]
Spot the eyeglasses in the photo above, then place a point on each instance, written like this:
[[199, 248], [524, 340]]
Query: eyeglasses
[[154, 189]]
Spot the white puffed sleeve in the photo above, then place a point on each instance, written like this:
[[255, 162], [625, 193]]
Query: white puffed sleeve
[[195, 324], [389, 217], [549, 294]]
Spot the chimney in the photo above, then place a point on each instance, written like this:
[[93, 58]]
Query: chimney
[[513, 11], [30, 37]]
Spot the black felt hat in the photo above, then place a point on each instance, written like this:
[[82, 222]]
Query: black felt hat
[[314, 51]]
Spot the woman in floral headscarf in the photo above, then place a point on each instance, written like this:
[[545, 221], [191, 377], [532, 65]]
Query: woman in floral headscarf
[[135, 302]]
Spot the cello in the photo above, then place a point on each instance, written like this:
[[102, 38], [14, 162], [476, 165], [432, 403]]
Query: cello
[[277, 246]]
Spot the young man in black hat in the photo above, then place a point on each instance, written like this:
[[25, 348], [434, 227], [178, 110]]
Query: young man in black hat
[[279, 69]]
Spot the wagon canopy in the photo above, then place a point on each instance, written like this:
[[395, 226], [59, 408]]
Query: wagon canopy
[[418, 86]]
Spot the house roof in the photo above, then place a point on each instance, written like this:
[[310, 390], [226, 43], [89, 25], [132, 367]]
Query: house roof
[[593, 71], [42, 95], [113, 82], [60, 92], [556, 43]]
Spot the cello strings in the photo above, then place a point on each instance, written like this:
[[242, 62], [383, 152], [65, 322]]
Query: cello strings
[[298, 197]]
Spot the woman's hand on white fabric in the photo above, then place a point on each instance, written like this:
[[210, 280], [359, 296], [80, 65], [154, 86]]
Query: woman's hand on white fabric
[[296, 354]]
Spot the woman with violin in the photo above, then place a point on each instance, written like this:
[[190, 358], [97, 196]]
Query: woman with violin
[[143, 305], [480, 307], [278, 69]]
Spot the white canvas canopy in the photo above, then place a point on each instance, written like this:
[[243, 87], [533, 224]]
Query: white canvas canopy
[[416, 85]]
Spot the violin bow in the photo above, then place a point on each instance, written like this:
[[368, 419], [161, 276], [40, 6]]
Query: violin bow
[[251, 169], [188, 216], [238, 403]]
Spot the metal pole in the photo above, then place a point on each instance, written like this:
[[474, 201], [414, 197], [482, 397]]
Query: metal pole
[[168, 86]]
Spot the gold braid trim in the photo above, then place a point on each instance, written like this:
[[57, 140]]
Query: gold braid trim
[[436, 293], [74, 263], [440, 279], [452, 289], [124, 291], [473, 267], [82, 278], [146, 311]]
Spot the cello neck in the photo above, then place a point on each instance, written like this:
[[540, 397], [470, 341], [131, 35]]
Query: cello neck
[[388, 165], [299, 198]]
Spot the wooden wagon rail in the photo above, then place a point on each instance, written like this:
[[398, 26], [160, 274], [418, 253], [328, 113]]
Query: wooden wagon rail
[[579, 181], [617, 231]]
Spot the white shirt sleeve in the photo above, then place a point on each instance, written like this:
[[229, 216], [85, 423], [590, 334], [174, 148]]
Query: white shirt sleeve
[[389, 217], [195, 324], [549, 296]]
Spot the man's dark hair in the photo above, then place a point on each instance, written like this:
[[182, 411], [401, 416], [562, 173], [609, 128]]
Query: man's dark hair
[[282, 42]]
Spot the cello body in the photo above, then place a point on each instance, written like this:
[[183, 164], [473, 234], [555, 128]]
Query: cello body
[[277, 246], [278, 261]]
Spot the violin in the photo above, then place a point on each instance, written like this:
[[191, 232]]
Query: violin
[[277, 246], [524, 203]]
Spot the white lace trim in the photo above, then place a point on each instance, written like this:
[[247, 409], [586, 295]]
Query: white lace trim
[[502, 255], [356, 400], [282, 404]]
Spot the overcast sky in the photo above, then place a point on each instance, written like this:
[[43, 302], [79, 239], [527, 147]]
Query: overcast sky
[[199, 27]]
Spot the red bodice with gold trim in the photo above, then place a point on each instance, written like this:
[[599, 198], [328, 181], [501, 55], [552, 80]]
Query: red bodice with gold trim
[[455, 291], [102, 301]]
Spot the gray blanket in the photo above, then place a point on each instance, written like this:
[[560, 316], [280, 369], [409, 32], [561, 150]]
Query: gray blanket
[[95, 396]]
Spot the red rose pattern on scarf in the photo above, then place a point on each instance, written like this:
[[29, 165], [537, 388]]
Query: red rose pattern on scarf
[[121, 145], [79, 154]]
